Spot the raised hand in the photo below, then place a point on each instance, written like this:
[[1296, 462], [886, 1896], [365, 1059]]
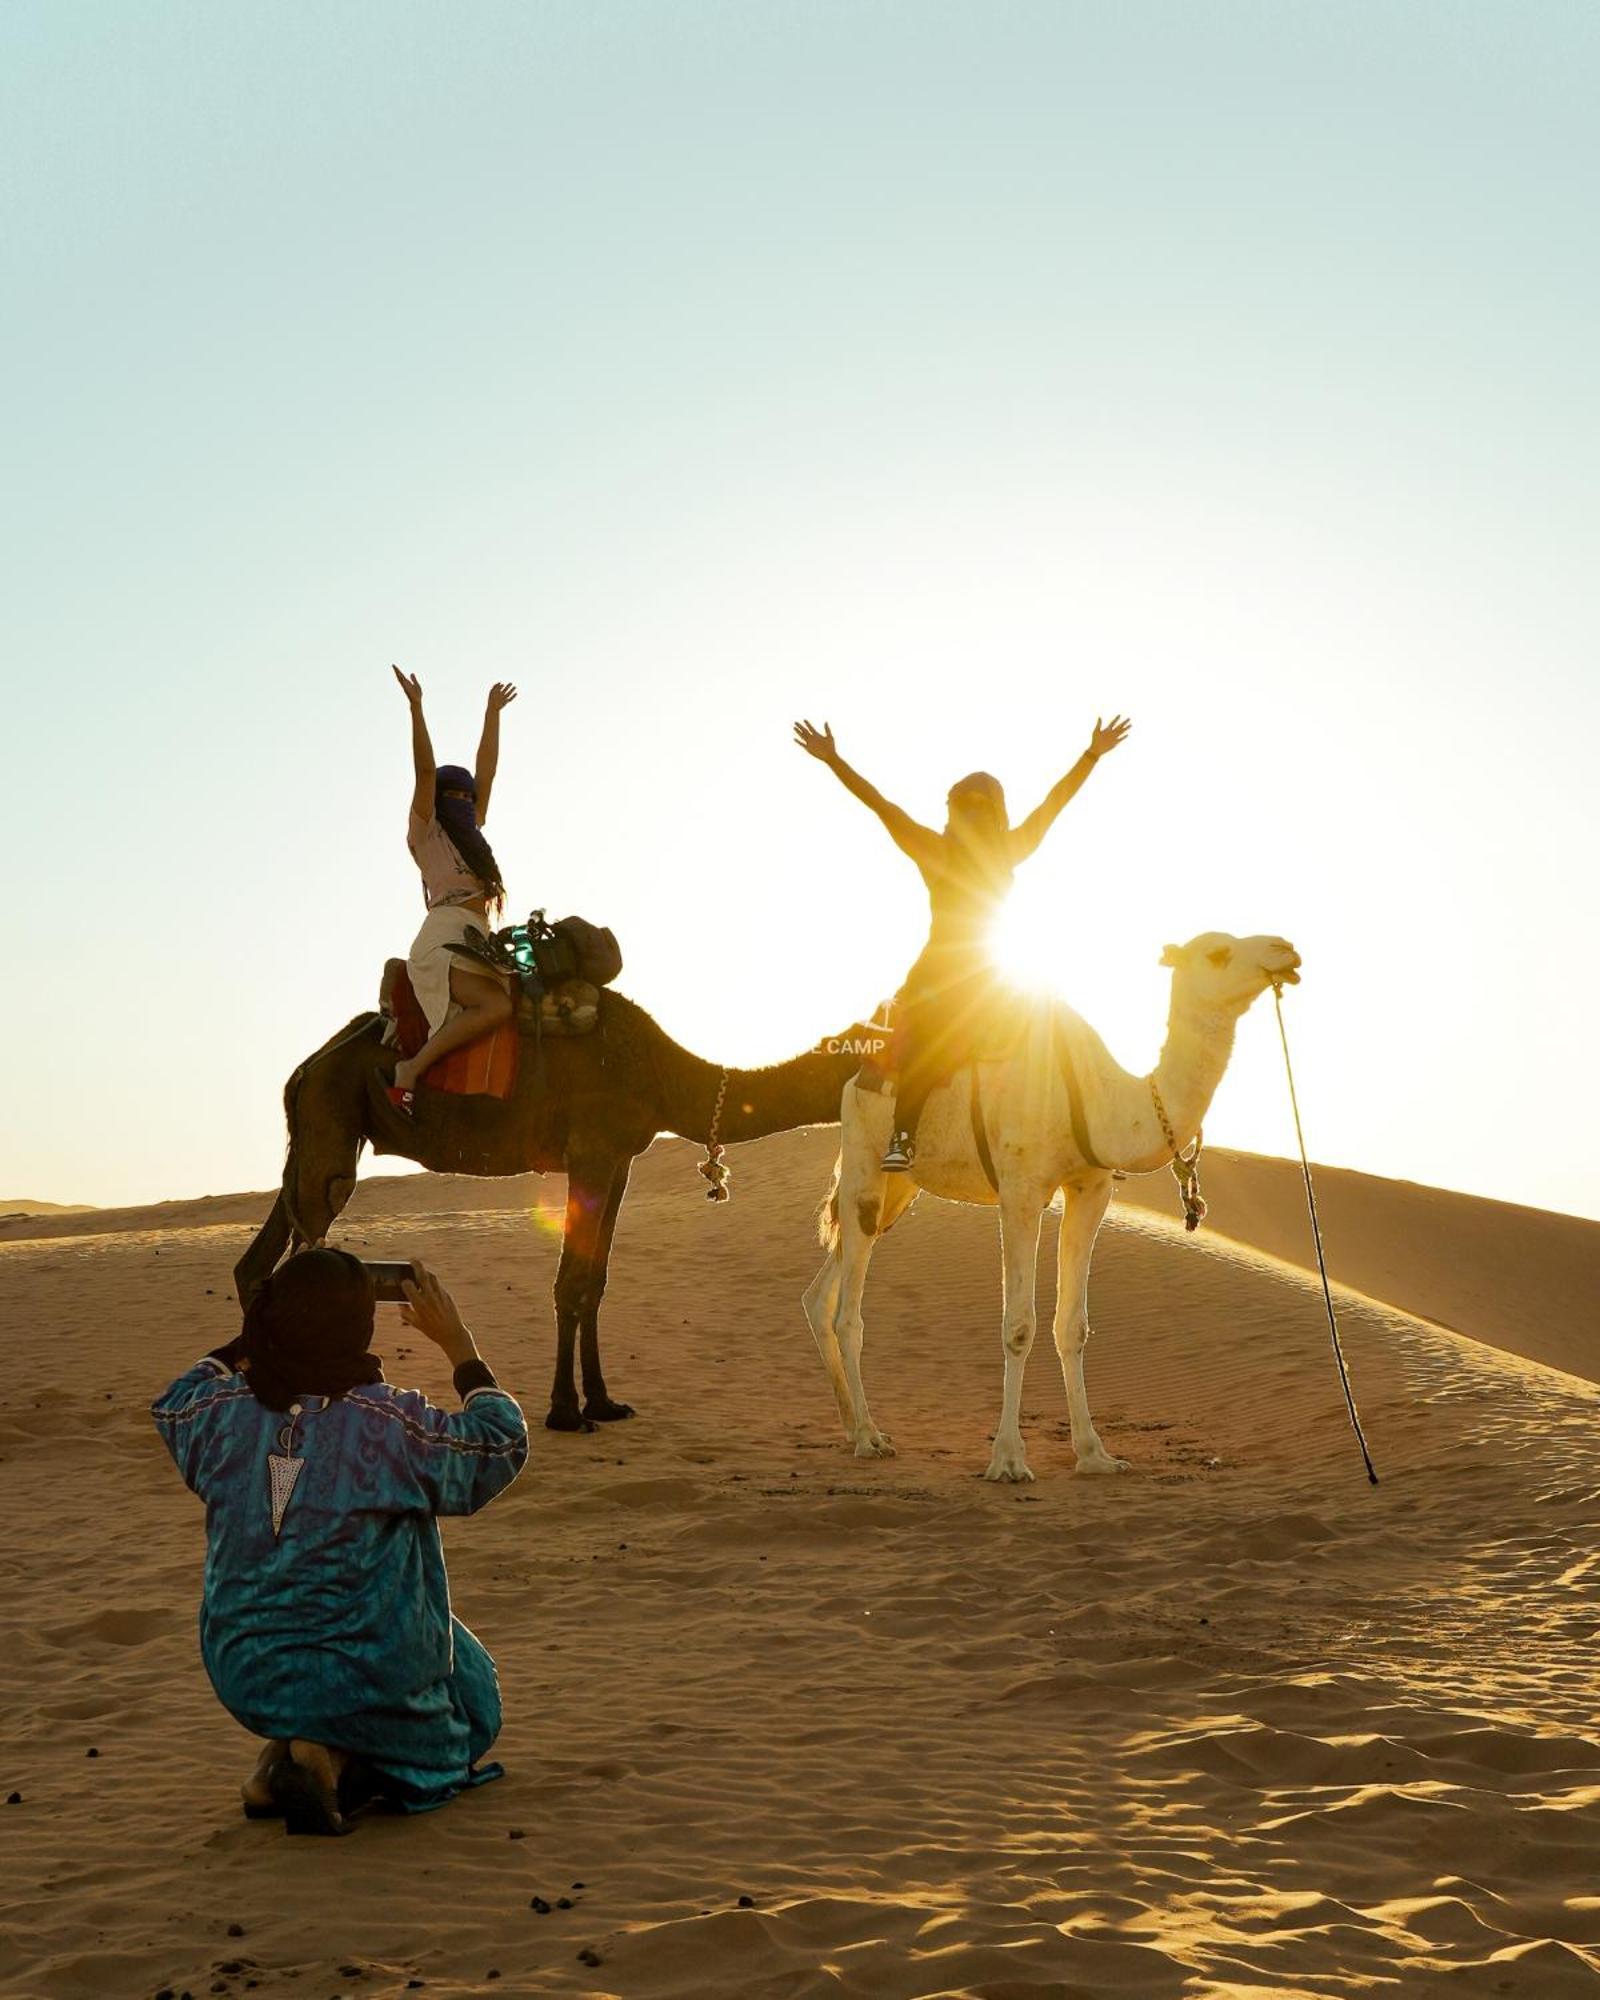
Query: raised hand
[[1107, 735], [501, 695], [410, 686], [816, 742]]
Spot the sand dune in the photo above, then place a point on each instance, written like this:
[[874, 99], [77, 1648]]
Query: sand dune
[[1519, 1278], [780, 1723]]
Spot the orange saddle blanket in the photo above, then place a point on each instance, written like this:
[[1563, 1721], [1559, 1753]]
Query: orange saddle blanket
[[484, 1068]]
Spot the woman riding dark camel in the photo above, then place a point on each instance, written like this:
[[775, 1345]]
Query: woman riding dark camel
[[967, 869], [461, 886]]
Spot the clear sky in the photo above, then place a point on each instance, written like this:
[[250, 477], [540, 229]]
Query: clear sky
[[952, 372]]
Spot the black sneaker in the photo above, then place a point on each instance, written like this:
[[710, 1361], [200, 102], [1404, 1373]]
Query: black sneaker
[[899, 1156]]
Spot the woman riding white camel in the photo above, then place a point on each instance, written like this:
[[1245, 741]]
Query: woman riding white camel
[[968, 871], [461, 886]]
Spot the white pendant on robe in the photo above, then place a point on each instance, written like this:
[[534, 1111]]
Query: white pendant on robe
[[283, 1473]]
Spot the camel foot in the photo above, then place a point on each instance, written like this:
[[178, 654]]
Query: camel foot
[[565, 1418], [874, 1444], [1008, 1462], [602, 1410], [1099, 1463]]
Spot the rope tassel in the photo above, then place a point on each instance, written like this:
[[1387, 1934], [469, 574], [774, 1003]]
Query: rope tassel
[[1187, 1174], [715, 1172]]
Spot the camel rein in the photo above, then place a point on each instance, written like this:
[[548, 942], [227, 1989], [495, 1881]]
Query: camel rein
[[1316, 1237]]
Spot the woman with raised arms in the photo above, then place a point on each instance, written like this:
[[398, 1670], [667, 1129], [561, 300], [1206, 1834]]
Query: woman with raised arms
[[967, 869], [461, 887]]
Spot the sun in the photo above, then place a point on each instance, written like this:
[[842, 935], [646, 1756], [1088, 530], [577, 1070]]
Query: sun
[[1026, 949]]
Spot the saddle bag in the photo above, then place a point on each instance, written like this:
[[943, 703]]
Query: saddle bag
[[549, 955], [570, 948]]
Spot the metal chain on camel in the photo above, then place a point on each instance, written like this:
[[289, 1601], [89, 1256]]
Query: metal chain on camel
[[1185, 1164], [712, 1166]]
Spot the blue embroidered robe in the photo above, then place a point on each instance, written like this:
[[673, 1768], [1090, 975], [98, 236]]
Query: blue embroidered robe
[[333, 1623]]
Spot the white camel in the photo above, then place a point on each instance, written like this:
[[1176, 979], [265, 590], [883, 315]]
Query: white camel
[[1057, 1113]]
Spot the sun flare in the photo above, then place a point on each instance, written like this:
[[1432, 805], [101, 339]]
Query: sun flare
[[1027, 953]]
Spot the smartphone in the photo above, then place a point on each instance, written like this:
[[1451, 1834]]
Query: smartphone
[[387, 1280]]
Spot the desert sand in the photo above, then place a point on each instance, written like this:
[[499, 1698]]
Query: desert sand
[[779, 1723]]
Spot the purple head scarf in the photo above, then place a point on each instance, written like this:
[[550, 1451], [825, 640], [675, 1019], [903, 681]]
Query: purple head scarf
[[459, 818]]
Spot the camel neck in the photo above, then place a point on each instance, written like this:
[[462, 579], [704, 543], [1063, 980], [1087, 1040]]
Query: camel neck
[[780, 1098], [1193, 1059]]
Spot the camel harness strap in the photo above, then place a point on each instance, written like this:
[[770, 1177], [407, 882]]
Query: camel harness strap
[[1080, 1124], [980, 1134]]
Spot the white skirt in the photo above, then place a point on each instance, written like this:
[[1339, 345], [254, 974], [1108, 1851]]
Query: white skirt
[[431, 961]]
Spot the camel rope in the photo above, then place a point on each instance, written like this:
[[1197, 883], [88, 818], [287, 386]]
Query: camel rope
[[712, 1165], [1316, 1237], [1185, 1164]]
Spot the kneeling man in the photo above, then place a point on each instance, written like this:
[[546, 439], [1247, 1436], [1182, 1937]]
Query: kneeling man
[[325, 1623]]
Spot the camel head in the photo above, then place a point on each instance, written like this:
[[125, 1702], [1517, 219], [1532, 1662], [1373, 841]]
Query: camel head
[[1227, 973]]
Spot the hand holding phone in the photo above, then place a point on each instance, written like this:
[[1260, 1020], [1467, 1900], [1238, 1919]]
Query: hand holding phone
[[388, 1280], [431, 1310]]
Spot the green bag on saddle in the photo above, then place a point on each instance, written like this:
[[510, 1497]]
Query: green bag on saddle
[[545, 955]]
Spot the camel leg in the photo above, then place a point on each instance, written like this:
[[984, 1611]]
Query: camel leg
[[589, 1179], [598, 1407], [1080, 1224], [864, 1204], [322, 1102], [320, 1180], [1020, 1210], [564, 1413], [821, 1302], [855, 1254], [256, 1265], [321, 1207], [822, 1295]]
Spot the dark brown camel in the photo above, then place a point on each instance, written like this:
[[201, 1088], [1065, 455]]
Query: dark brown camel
[[586, 1106]]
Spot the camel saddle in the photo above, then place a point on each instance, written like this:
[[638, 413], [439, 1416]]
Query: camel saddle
[[990, 1039], [488, 1066]]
